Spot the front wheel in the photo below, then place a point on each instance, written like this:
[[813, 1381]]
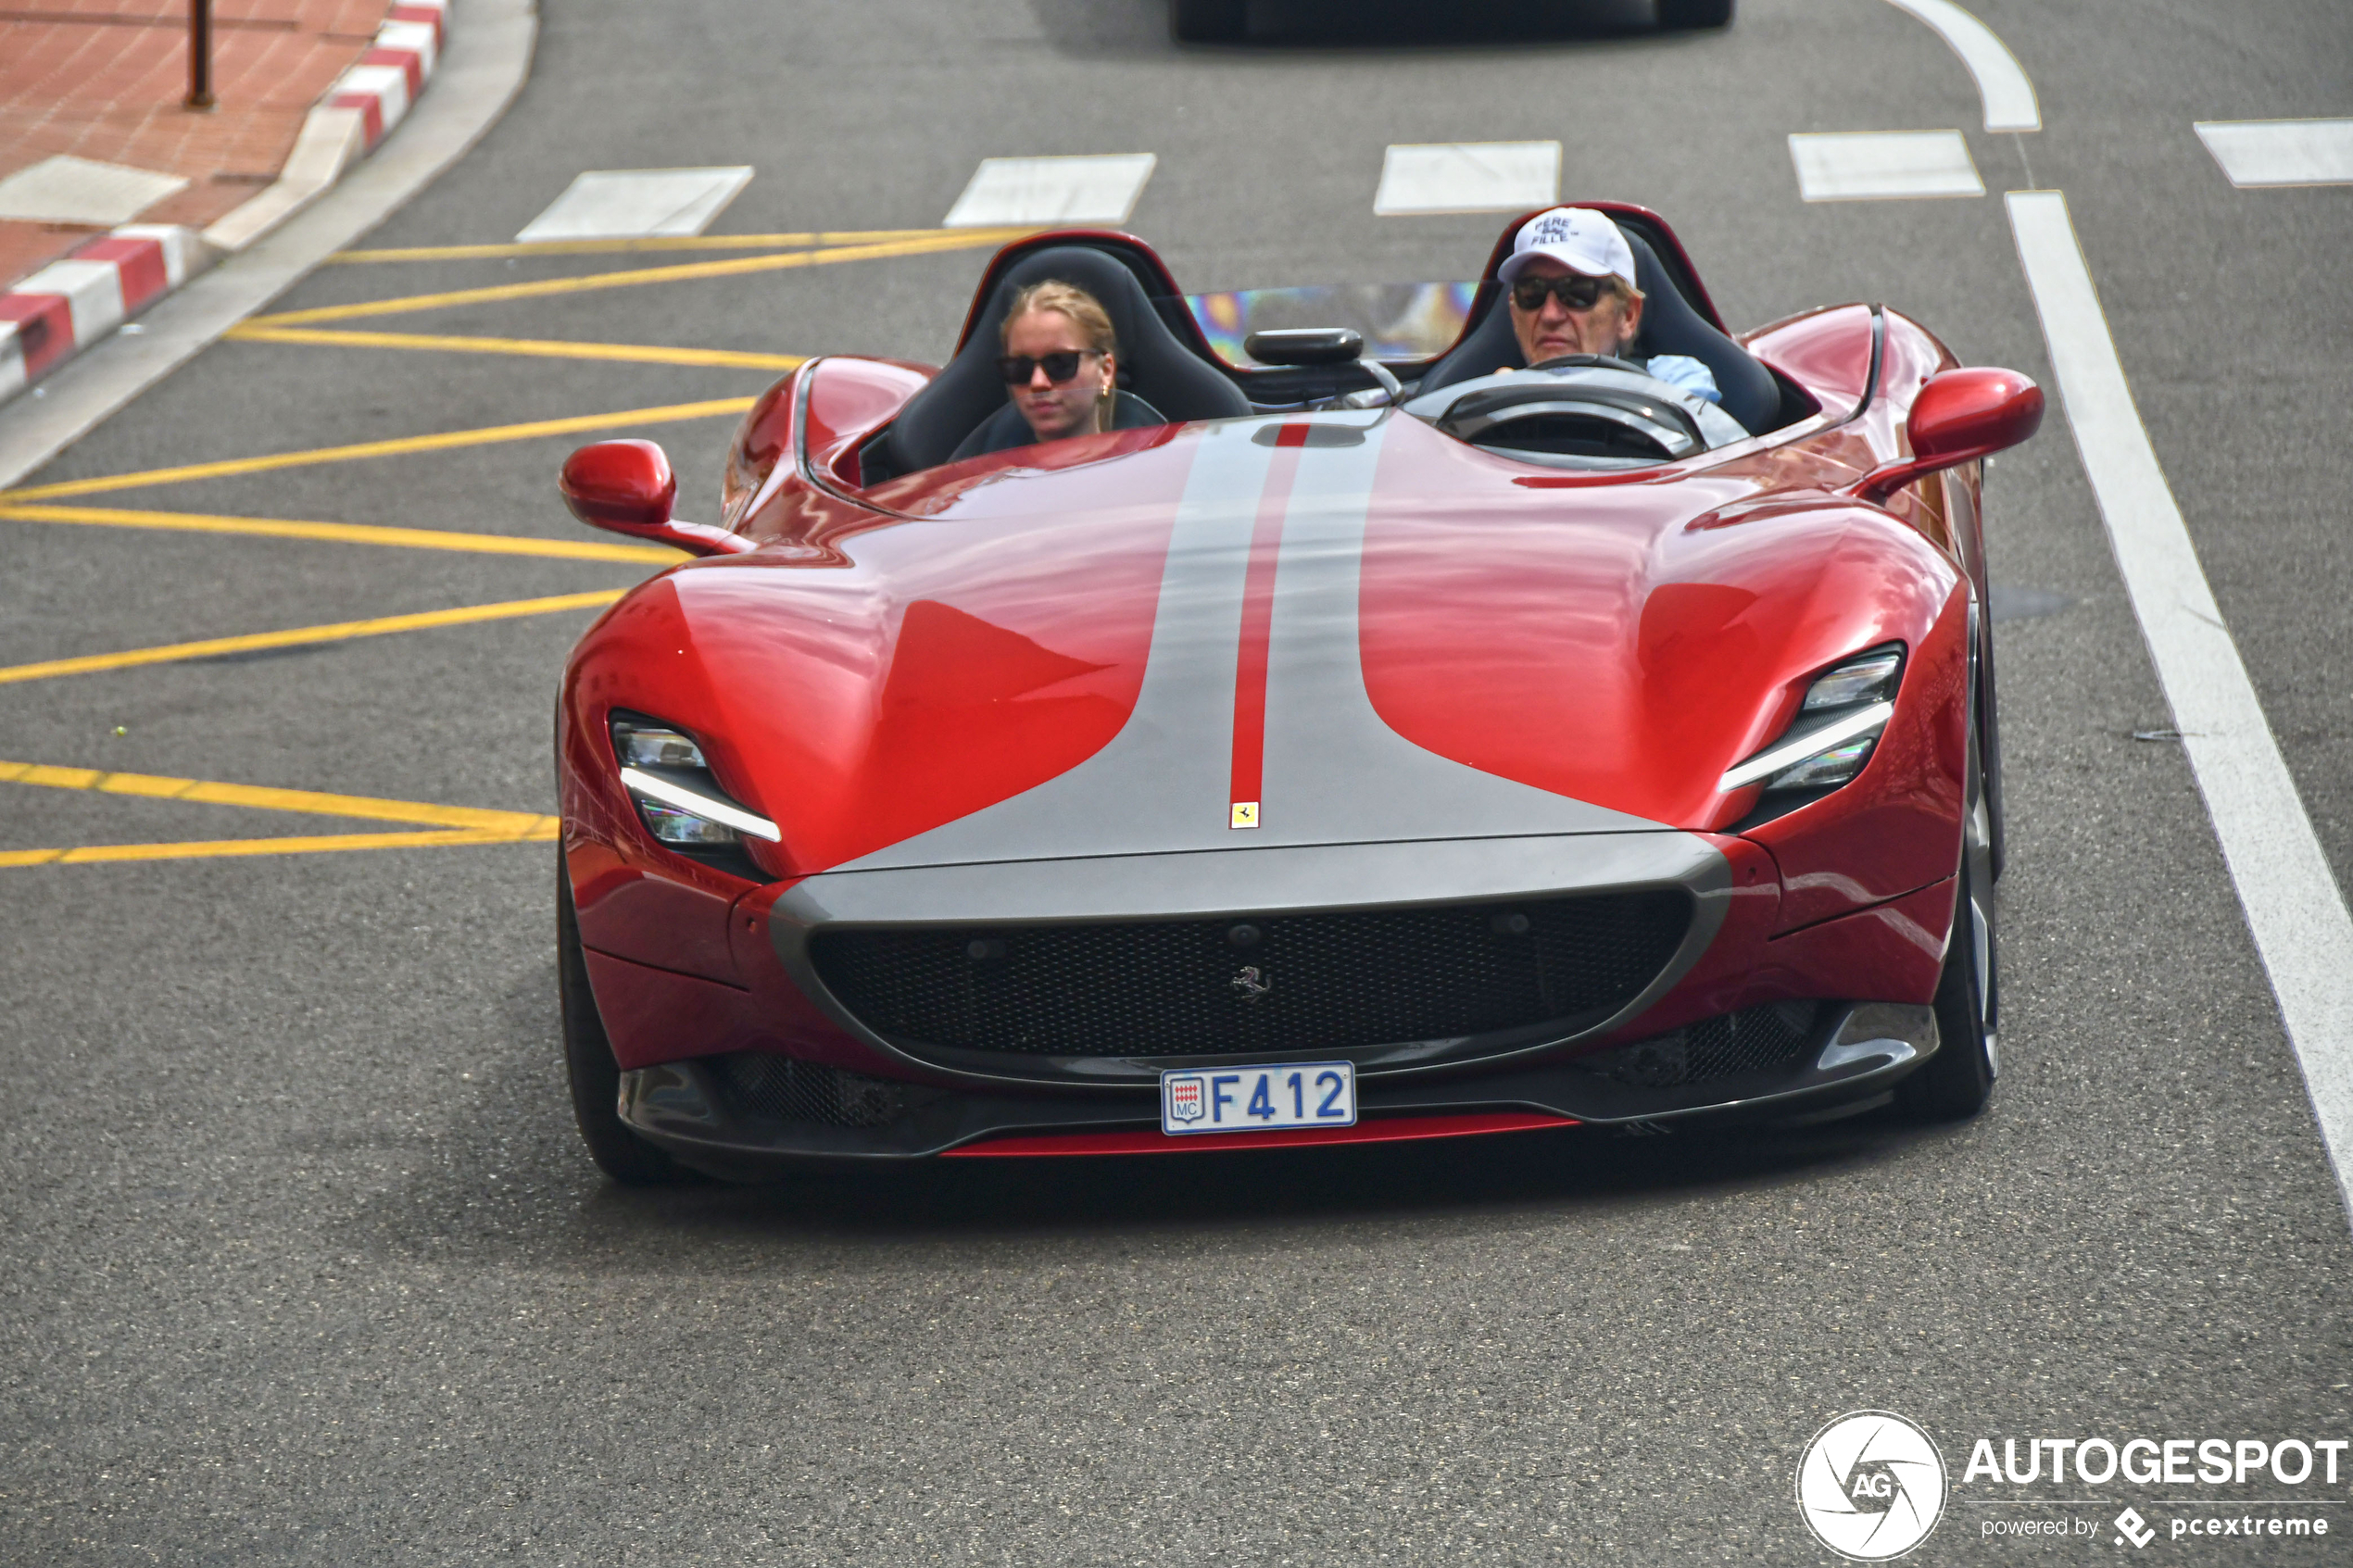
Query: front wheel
[[596, 1076], [1212, 21], [1958, 1079], [1679, 16]]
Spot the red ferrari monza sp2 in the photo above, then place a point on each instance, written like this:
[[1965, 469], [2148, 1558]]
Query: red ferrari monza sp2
[[1370, 751]]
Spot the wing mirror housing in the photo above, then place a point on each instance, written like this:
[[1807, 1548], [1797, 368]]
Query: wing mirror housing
[[1959, 417], [626, 488]]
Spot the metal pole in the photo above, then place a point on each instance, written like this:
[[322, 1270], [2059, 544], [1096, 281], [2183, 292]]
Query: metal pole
[[200, 54]]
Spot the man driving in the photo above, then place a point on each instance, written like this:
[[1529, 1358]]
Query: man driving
[[1571, 278]]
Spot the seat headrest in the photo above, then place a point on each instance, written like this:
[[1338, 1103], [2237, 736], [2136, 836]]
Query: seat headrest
[[1670, 325], [1153, 362]]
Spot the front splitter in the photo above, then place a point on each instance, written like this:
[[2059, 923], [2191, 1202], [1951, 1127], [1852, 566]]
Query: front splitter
[[680, 1108]]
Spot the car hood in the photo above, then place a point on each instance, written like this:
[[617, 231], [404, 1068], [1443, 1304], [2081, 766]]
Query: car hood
[[1360, 629]]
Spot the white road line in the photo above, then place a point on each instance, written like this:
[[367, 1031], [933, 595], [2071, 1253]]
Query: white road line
[[2294, 907], [2256, 153], [634, 204], [1883, 165], [1467, 177], [2002, 86], [1099, 189]]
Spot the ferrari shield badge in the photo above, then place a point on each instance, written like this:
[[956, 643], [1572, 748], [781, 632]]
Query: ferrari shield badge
[[1185, 1099], [1245, 813]]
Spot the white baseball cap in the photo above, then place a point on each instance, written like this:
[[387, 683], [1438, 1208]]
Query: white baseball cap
[[1579, 238]]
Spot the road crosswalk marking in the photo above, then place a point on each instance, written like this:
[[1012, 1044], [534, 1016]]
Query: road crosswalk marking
[[1883, 165], [2258, 152], [1467, 177], [627, 204], [1100, 188]]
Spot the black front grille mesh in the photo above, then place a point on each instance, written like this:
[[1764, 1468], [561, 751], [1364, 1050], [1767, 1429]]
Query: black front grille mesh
[[780, 1089], [1713, 1047], [1324, 982]]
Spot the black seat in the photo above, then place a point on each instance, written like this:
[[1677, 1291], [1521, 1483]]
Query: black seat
[[1154, 363], [1670, 325]]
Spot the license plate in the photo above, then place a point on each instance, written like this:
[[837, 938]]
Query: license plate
[[1250, 1099]]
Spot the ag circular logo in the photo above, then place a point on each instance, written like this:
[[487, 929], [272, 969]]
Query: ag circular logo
[[1871, 1485]]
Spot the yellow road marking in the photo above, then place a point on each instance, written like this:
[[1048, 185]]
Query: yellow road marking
[[952, 239], [216, 848], [663, 241], [399, 447], [299, 635], [539, 348], [347, 533], [154, 787]]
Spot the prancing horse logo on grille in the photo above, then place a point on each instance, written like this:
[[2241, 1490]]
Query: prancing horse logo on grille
[[1249, 983]]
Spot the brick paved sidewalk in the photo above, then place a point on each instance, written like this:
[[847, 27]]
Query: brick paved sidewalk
[[103, 79]]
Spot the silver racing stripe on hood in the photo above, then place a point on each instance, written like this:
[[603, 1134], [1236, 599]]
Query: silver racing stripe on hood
[[1333, 772], [1167, 765]]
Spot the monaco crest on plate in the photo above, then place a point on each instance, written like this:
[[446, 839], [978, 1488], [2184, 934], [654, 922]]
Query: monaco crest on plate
[[1185, 1099]]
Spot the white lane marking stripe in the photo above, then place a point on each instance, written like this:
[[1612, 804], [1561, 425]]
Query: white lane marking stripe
[[1467, 177], [627, 204], [2009, 97], [2294, 907], [2256, 153], [1880, 165], [1096, 188]]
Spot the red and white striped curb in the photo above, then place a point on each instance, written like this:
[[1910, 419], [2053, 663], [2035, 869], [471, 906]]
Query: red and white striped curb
[[72, 302], [392, 71], [68, 305]]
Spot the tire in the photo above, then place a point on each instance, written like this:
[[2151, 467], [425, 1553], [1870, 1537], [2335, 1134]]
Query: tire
[[1208, 21], [1988, 746], [596, 1077], [1958, 1079], [1683, 16]]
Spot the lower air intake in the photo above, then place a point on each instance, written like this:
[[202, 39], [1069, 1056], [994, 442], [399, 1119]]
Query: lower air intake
[[1713, 1047], [1251, 985], [780, 1089]]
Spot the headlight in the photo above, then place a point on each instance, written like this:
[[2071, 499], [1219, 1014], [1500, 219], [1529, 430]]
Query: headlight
[[1838, 725], [1867, 679], [671, 783]]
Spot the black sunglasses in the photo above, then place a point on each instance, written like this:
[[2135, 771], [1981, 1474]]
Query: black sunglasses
[[1059, 366], [1574, 290]]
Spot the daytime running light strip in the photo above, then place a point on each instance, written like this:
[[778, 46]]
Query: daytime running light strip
[[700, 805], [1811, 744]]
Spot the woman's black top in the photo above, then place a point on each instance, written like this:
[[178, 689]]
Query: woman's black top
[[1005, 428]]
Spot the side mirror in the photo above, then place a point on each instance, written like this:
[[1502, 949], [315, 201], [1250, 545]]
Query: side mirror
[[1959, 417], [626, 488]]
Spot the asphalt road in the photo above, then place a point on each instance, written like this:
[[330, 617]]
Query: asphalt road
[[304, 1261]]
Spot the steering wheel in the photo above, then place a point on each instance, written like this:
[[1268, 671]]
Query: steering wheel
[[1589, 362]]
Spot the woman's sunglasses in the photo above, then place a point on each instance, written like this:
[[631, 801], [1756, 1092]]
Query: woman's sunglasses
[[1574, 291], [1060, 366]]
